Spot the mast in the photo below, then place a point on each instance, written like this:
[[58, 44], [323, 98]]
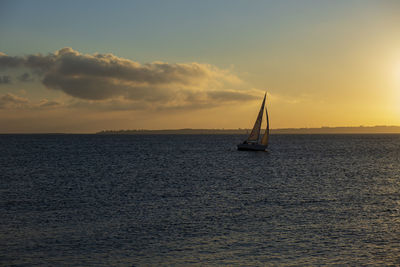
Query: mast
[[255, 132]]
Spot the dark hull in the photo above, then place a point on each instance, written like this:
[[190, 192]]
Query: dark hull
[[252, 147]]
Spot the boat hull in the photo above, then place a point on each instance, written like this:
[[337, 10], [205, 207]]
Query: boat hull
[[252, 147]]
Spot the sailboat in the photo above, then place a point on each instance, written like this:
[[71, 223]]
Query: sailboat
[[252, 142]]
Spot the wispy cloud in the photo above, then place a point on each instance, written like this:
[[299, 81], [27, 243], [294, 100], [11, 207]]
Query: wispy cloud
[[13, 101]]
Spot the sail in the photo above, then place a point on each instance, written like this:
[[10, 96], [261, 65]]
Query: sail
[[264, 140], [255, 133]]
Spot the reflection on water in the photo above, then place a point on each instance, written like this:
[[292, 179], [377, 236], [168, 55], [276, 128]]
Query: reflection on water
[[150, 200]]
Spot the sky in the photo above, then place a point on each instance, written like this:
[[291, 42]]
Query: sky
[[87, 66]]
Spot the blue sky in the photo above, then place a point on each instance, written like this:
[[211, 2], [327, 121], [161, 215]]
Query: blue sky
[[169, 30]]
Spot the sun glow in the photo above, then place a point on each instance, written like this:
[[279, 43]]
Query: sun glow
[[395, 92], [397, 75]]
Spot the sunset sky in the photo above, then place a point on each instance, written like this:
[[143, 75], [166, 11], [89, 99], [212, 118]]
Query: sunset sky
[[86, 66]]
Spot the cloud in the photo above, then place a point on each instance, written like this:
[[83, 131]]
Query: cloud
[[106, 77], [5, 79], [25, 77], [13, 101], [231, 96], [119, 104], [10, 62], [45, 103]]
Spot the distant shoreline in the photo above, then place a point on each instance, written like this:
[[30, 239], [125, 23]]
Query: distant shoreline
[[188, 131], [321, 130]]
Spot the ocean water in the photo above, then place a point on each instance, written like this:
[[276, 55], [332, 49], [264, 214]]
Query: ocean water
[[151, 200]]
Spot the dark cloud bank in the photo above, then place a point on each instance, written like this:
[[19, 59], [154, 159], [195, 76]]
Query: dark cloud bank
[[104, 77]]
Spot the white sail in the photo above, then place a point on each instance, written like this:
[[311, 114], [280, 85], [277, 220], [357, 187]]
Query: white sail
[[252, 144], [255, 133], [265, 138]]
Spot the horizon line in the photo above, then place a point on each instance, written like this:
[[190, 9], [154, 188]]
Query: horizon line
[[288, 129]]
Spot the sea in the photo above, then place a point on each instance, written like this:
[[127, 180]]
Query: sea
[[195, 200]]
